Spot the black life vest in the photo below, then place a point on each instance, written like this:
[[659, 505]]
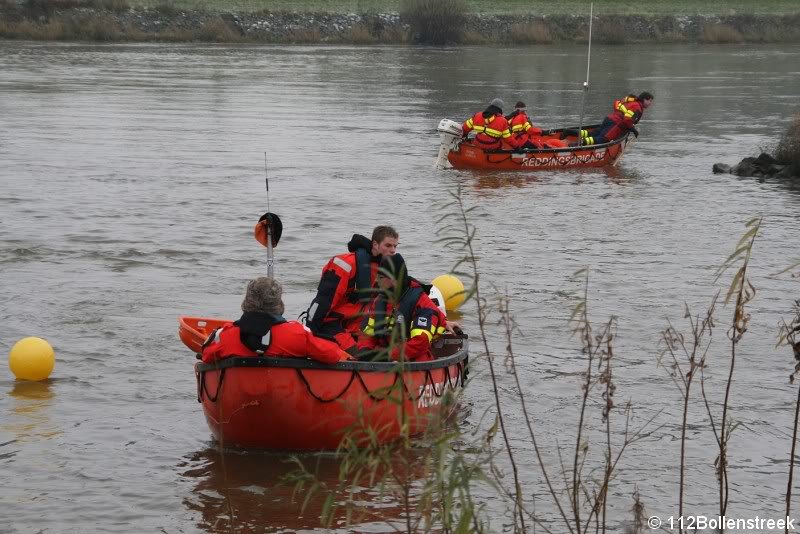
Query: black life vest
[[362, 281], [401, 313], [254, 329]]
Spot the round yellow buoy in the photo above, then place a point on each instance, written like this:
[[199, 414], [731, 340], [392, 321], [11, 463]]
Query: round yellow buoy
[[31, 358], [452, 290]]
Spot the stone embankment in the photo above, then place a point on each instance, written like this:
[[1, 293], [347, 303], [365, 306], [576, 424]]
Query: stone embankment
[[169, 23]]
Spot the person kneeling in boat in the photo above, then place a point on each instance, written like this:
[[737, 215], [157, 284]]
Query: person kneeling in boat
[[523, 133], [402, 317], [262, 331], [346, 287], [490, 125], [626, 114]]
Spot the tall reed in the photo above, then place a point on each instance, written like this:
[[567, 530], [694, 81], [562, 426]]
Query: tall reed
[[744, 292], [694, 351], [789, 334]]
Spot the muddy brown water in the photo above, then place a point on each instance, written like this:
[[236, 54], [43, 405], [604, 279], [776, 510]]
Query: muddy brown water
[[131, 178]]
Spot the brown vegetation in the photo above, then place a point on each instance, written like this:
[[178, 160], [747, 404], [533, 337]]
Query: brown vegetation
[[721, 34], [435, 22], [218, 31], [788, 149], [533, 33], [609, 32]]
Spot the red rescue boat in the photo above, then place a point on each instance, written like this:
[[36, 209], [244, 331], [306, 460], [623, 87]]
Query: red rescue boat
[[556, 154], [300, 404]]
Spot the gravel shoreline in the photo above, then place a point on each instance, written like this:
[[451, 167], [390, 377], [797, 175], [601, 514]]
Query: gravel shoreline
[[141, 24]]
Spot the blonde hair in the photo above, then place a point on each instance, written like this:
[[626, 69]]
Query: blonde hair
[[263, 295]]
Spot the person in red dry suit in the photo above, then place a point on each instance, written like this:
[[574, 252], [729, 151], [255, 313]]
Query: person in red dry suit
[[345, 287], [262, 331], [626, 115], [523, 133], [401, 316], [490, 125]]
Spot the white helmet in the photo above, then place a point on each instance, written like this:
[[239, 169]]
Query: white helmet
[[437, 298]]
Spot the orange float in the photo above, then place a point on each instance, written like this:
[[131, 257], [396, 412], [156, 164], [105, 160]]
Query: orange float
[[301, 404]]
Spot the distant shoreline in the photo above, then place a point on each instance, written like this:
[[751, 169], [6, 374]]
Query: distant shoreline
[[170, 24]]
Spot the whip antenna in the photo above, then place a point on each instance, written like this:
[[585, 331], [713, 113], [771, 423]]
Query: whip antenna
[[266, 178], [586, 83], [270, 258], [269, 227]]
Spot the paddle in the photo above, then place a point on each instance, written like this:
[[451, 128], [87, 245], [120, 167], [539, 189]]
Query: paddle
[[269, 227]]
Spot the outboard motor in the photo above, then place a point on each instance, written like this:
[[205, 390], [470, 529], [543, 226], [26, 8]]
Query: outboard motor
[[450, 135]]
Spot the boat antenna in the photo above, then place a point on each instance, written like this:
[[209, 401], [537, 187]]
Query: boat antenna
[[586, 83], [266, 178], [270, 258]]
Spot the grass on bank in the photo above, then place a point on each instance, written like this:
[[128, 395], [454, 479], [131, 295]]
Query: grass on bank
[[435, 22], [506, 7], [564, 7]]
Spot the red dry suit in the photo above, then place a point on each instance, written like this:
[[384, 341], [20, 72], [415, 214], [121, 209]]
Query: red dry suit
[[421, 321], [263, 334], [344, 290], [522, 131], [491, 130], [627, 113]]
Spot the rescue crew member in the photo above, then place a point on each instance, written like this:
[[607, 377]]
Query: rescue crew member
[[401, 316], [490, 125], [523, 133], [625, 116], [262, 331], [345, 287]]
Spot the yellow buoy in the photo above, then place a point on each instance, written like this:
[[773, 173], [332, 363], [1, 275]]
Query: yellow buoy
[[31, 358], [452, 290]]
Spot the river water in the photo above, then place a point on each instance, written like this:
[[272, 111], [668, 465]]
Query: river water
[[132, 176]]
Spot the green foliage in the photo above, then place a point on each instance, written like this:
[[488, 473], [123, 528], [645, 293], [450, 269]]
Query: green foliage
[[435, 22], [108, 5], [168, 8]]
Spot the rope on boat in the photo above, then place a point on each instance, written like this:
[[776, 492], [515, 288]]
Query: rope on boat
[[320, 399], [451, 382], [202, 387]]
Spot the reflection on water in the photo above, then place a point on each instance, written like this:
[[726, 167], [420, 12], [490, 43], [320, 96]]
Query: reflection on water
[[236, 490], [29, 415], [483, 181]]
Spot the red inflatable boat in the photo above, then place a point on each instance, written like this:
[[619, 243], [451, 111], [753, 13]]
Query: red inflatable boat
[[555, 154], [300, 404]]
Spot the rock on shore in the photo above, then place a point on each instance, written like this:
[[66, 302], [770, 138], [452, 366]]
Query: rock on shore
[[764, 166]]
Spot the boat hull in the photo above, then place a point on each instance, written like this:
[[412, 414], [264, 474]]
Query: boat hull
[[469, 156], [300, 404]]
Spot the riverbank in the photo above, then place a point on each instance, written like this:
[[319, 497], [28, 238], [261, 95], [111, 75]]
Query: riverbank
[[119, 22]]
